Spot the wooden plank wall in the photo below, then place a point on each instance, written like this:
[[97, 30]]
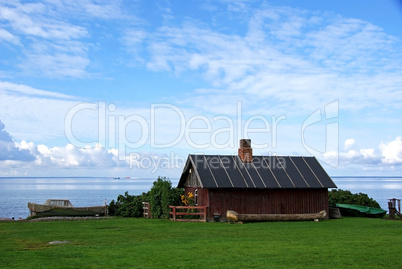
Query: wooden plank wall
[[299, 201], [202, 195]]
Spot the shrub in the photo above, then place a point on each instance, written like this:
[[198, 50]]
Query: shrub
[[127, 206], [161, 196], [112, 208], [336, 196]]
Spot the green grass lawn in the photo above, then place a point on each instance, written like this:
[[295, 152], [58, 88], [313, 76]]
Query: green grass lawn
[[143, 243]]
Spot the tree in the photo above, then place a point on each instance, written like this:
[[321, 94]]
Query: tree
[[127, 206], [161, 196], [336, 196]]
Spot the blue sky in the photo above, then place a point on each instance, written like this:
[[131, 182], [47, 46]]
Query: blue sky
[[130, 88]]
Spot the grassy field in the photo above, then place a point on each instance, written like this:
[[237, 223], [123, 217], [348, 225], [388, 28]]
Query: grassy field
[[142, 243]]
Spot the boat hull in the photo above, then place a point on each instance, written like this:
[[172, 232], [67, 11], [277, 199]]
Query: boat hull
[[40, 210], [361, 211], [233, 216], [334, 213]]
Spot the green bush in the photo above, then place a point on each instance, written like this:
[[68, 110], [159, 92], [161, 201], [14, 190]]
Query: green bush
[[112, 207], [336, 196], [159, 198], [127, 206]]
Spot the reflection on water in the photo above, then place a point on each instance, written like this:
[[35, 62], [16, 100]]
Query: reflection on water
[[392, 186], [74, 187]]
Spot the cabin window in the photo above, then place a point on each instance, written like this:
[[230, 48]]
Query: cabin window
[[57, 203], [196, 197]]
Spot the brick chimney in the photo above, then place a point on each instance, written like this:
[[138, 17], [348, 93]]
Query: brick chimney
[[245, 151]]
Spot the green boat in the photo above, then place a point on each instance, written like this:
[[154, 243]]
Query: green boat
[[361, 211]]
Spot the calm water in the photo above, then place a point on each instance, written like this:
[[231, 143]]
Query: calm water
[[15, 193]]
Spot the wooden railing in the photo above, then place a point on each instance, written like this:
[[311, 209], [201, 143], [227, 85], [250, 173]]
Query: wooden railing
[[189, 211]]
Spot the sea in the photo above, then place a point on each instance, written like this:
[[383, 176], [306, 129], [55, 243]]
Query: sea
[[16, 192]]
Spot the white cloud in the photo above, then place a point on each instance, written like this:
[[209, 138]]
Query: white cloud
[[12, 88], [53, 37], [278, 61], [9, 151], [368, 153], [73, 157], [39, 20], [42, 116], [362, 156], [342, 44], [52, 46], [102, 9], [392, 152], [70, 160], [56, 64], [7, 36], [69, 156], [32, 113], [134, 36], [349, 143], [287, 58], [388, 154]]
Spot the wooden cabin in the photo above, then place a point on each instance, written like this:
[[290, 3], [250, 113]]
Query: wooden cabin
[[251, 184]]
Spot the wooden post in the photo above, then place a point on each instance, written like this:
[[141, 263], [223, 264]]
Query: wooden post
[[391, 209], [174, 213], [393, 201]]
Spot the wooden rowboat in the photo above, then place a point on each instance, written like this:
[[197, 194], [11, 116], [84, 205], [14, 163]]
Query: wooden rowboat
[[63, 207]]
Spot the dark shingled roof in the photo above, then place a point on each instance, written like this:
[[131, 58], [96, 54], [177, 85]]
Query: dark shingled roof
[[265, 172]]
